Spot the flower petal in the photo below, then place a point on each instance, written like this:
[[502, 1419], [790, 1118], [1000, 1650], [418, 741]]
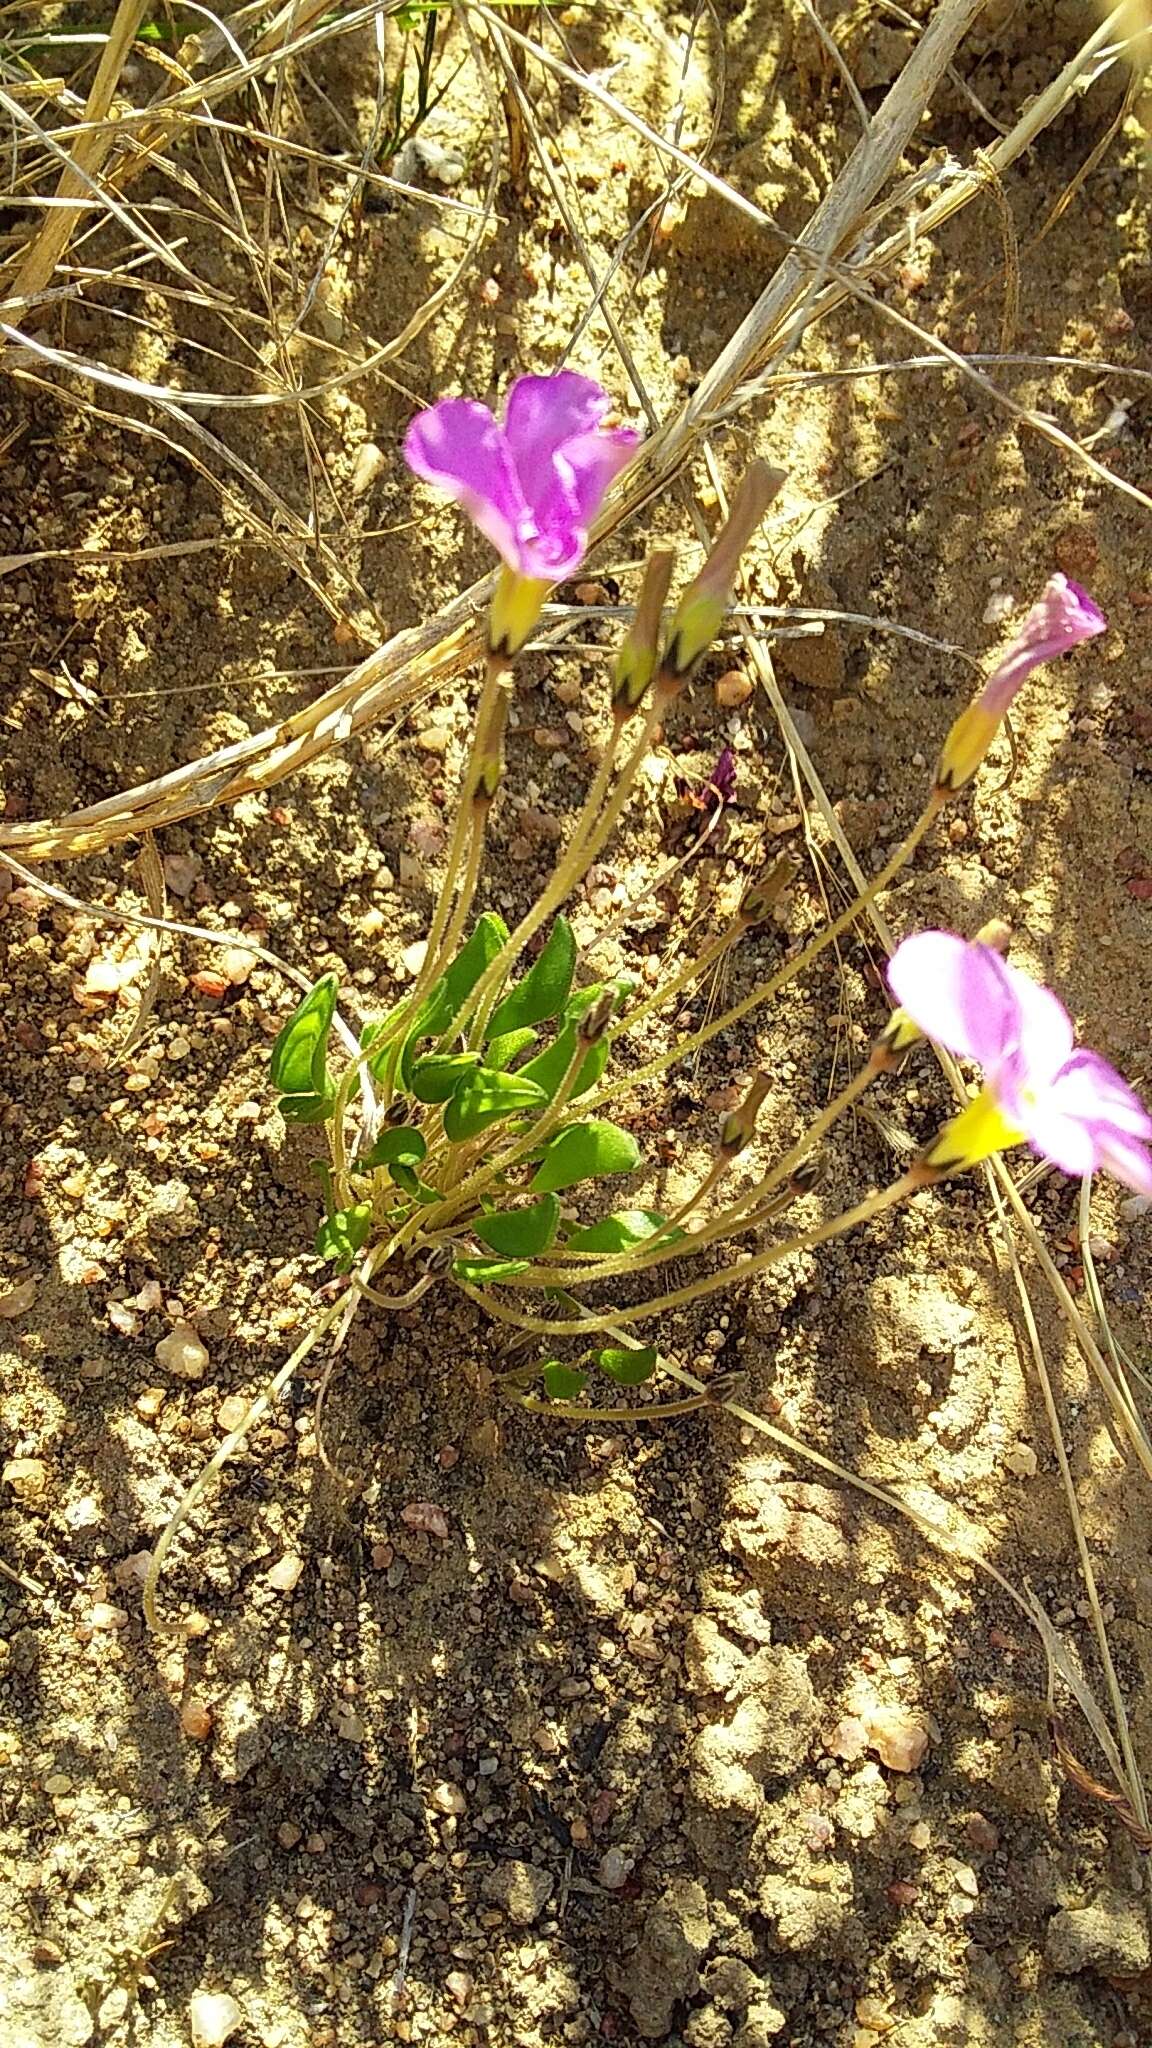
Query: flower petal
[[1127, 1160], [542, 413], [459, 446], [1088, 1118], [1061, 618], [958, 993], [1046, 1036], [565, 463]]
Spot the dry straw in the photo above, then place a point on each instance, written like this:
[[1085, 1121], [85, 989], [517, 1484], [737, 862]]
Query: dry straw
[[852, 240]]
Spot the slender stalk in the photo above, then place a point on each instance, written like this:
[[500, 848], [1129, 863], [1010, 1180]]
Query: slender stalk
[[589, 836], [791, 968], [790, 1160], [731, 1276], [481, 738]]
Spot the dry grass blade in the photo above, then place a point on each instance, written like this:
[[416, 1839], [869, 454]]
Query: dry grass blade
[[91, 148], [415, 662]]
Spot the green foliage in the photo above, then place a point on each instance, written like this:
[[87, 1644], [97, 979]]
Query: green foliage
[[478, 1272], [545, 988], [343, 1234], [403, 1145], [619, 1233], [520, 1233], [485, 1097], [299, 1058], [563, 1382], [585, 1152], [629, 1368], [437, 1076]]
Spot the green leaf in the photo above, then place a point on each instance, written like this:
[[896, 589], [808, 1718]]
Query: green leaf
[[484, 1098], [298, 1064], [343, 1234], [585, 1152], [447, 996], [619, 1233], [629, 1368], [402, 1143], [520, 1233], [487, 1271], [499, 1053], [544, 989], [383, 1063], [563, 1382], [550, 1066], [307, 1109], [437, 1076]]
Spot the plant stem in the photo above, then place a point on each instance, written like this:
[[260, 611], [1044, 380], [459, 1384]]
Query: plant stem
[[464, 827], [789, 971], [591, 830], [729, 1276]]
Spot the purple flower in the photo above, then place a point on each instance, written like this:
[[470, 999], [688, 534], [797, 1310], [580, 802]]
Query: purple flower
[[534, 483], [1070, 1106], [1062, 617]]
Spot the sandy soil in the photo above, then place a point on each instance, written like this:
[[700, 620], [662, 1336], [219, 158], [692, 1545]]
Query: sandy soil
[[607, 1760]]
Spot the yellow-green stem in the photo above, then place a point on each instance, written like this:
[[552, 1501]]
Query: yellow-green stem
[[730, 1276], [592, 829], [434, 957], [791, 968]]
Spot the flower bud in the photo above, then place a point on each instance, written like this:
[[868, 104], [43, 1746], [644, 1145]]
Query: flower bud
[[807, 1175], [597, 1017], [1063, 616], [701, 609], [739, 1125], [636, 661]]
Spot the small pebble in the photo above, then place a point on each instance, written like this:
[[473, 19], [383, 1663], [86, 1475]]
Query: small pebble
[[18, 1300], [214, 2016], [195, 1720], [366, 468], [284, 1576], [732, 689], [899, 1737], [28, 1477], [448, 1798], [182, 1353], [178, 1048], [288, 1834], [231, 1412], [1022, 1461], [150, 1402], [612, 1869]]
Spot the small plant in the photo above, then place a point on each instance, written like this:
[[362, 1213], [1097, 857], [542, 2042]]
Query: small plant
[[468, 1141]]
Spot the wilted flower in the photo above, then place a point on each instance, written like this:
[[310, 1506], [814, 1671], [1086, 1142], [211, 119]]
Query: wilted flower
[[532, 483], [1070, 1106], [1063, 617]]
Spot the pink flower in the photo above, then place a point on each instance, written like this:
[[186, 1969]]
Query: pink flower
[[534, 483], [1070, 1106], [1062, 617]]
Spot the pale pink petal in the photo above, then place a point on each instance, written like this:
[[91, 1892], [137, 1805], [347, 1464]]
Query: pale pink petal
[[458, 446], [565, 462], [958, 993], [1127, 1160], [1045, 1035], [1088, 1118], [1063, 616], [1057, 1133]]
